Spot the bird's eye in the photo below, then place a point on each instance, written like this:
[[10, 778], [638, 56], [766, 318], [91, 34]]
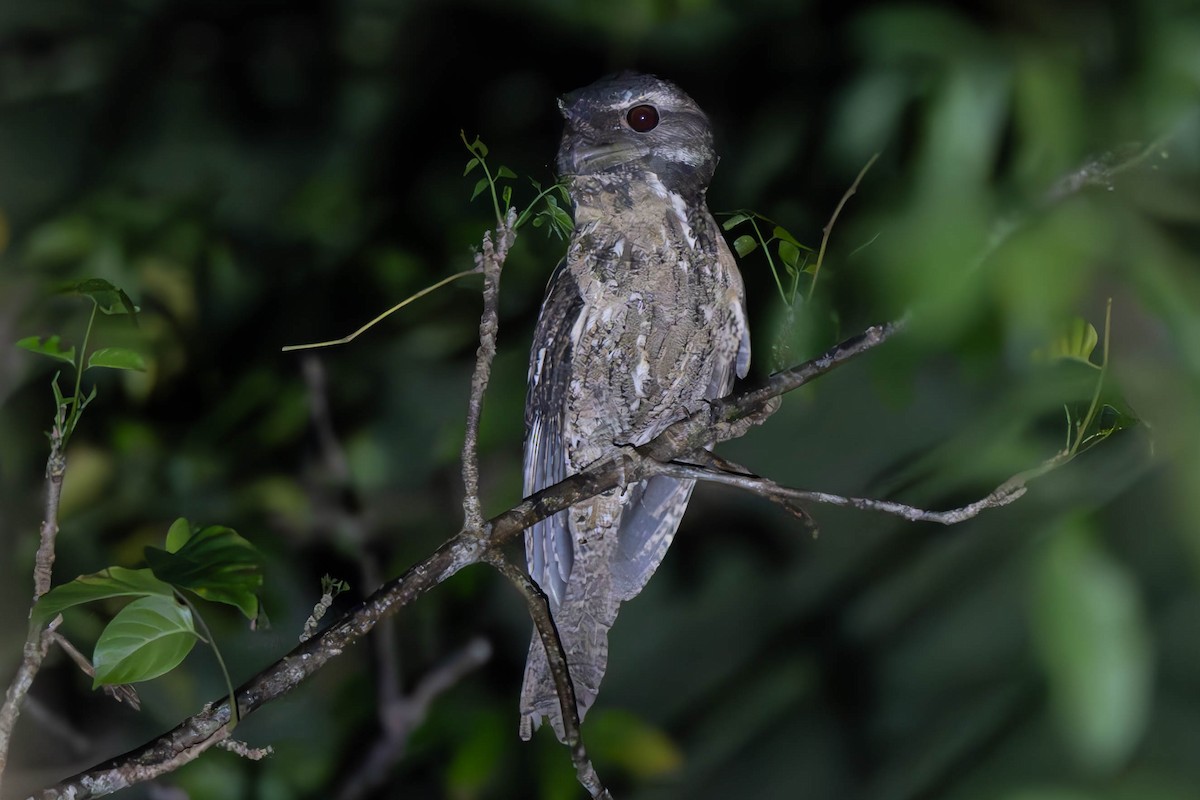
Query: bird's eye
[[642, 118]]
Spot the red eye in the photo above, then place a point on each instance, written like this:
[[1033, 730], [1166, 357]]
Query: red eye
[[642, 118]]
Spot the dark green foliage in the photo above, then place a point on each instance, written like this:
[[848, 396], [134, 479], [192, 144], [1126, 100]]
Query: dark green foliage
[[257, 174]]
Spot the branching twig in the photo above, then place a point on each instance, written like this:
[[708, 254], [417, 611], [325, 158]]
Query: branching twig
[[402, 716], [121, 692], [721, 420], [828, 229], [1006, 493], [37, 641]]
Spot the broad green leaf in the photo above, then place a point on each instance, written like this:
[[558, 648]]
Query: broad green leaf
[[734, 221], [505, 172], [178, 534], [215, 563], [112, 582], [148, 638], [633, 744], [480, 185], [745, 245], [117, 358], [1091, 636], [472, 164], [50, 346]]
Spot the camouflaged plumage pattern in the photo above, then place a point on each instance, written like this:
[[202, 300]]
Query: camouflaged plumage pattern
[[643, 320]]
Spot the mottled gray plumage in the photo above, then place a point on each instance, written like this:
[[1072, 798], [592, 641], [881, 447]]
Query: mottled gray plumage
[[642, 321]]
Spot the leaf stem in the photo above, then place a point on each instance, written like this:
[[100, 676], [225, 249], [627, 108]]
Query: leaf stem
[[234, 714], [1095, 404]]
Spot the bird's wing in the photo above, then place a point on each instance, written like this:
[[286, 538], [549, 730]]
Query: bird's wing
[[653, 509], [549, 549]]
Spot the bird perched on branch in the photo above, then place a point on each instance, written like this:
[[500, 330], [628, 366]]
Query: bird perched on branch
[[642, 322]]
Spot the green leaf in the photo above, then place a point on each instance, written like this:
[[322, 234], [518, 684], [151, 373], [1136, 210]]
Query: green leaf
[[480, 185], [478, 147], [1092, 639], [109, 299], [745, 245], [178, 535], [783, 235], [789, 254], [117, 358], [734, 221], [562, 221], [505, 172], [506, 195], [215, 563], [111, 582], [472, 164], [148, 638], [50, 346], [1077, 341]]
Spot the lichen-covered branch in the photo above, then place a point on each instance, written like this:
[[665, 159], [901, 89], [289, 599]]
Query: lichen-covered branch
[[543, 620], [489, 261]]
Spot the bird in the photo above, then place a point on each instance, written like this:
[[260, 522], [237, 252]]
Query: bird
[[643, 321]]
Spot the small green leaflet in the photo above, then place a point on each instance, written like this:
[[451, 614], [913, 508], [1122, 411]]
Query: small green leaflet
[[178, 534], [108, 298], [111, 582], [149, 637], [50, 346], [1076, 341], [745, 245], [215, 563], [117, 358]]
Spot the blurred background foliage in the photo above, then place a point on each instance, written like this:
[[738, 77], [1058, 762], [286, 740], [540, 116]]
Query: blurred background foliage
[[258, 173]]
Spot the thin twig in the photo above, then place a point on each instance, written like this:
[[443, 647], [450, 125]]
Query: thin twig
[[351, 337], [402, 717], [37, 641], [543, 620], [1006, 493], [828, 229], [121, 692], [489, 260]]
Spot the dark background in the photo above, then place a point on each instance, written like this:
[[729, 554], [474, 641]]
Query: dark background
[[258, 174]]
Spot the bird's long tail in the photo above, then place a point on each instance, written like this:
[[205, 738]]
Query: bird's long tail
[[583, 619]]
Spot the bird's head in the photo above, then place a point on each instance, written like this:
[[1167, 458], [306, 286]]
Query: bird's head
[[637, 123]]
